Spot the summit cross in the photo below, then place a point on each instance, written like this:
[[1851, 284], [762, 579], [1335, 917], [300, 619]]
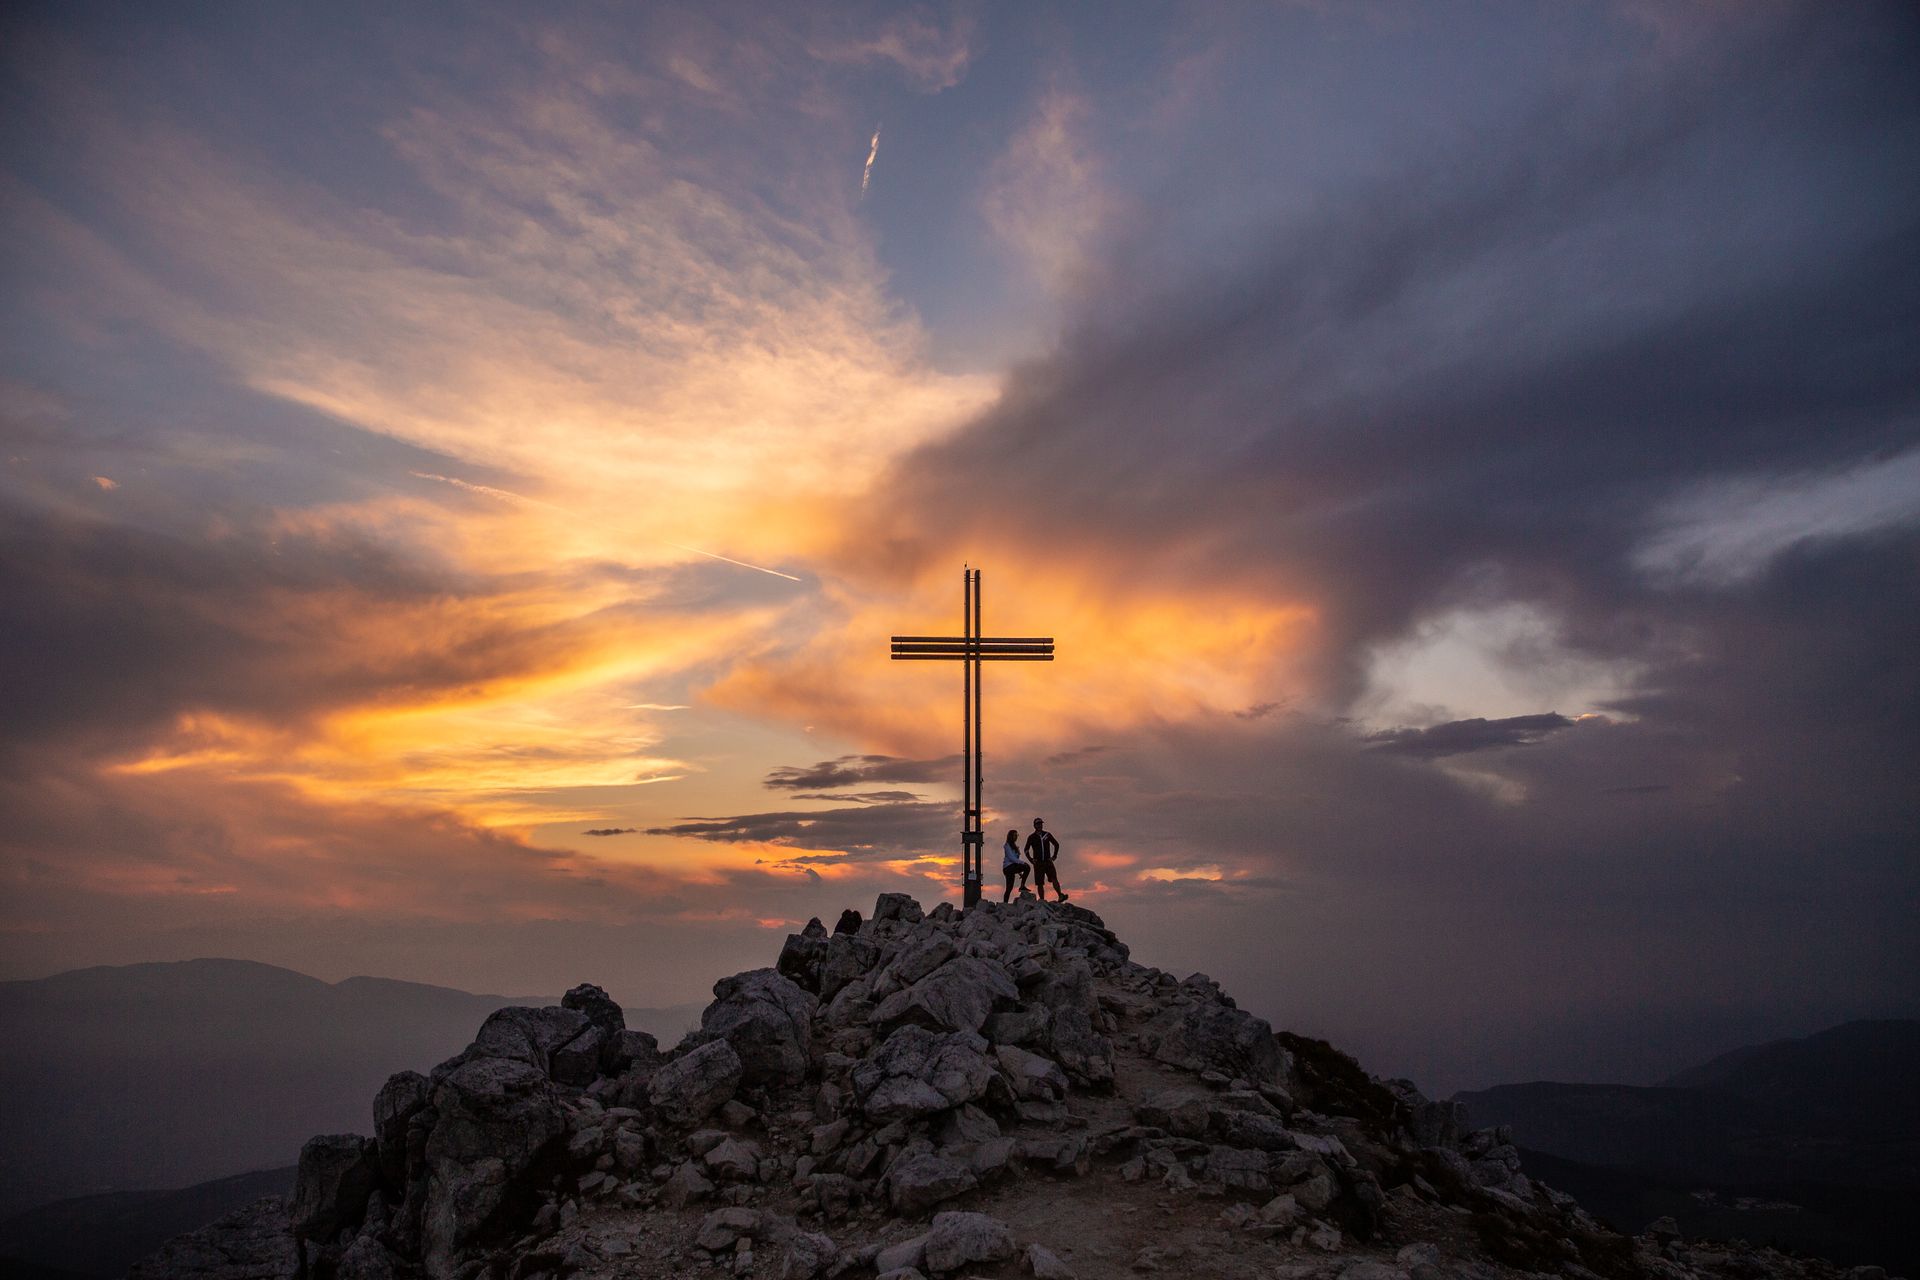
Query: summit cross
[[970, 650]]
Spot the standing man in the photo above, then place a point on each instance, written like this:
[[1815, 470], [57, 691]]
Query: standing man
[[1042, 849]]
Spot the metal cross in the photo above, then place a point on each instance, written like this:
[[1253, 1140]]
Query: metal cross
[[970, 650]]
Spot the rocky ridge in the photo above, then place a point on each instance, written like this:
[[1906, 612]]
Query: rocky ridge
[[998, 1092]]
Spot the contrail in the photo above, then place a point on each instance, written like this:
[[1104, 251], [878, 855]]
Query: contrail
[[873, 153], [486, 491], [742, 563]]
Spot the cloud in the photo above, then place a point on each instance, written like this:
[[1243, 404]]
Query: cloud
[[610, 831], [932, 56], [1457, 737], [890, 830], [1045, 197], [848, 771]]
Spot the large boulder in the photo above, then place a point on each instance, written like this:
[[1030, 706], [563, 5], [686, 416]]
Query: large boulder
[[523, 1034], [400, 1099], [768, 1019], [921, 1180], [964, 1239], [496, 1118], [337, 1173], [918, 1072], [597, 1006], [897, 906], [957, 996], [1073, 1007], [688, 1089], [1213, 1035]]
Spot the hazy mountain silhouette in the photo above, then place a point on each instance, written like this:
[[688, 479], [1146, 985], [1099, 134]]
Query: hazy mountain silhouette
[[1828, 1124], [151, 1076], [103, 1235], [1835, 1107]]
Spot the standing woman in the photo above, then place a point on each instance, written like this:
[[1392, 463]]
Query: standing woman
[[1011, 865]]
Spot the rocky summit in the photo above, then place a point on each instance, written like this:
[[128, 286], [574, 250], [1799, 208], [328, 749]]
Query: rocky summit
[[996, 1093]]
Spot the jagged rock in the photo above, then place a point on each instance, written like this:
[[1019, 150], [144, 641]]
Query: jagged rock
[[400, 1099], [809, 1255], [957, 996], [897, 906], [917, 1072], [337, 1173], [802, 959], [367, 1259], [917, 1182], [960, 1239], [1033, 1076], [577, 1062], [496, 1116], [908, 1255], [597, 1006], [251, 1243], [1067, 993], [1221, 1037], [1043, 1263], [684, 1186], [768, 1019], [521, 1034], [733, 1161], [722, 1227], [688, 1089]]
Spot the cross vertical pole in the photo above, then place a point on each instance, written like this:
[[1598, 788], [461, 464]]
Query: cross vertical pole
[[969, 882], [979, 759]]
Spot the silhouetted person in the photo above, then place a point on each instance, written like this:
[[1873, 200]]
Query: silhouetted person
[[1042, 849], [1012, 867]]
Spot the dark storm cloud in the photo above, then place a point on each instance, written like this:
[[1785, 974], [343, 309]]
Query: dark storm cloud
[[116, 630], [848, 771], [1457, 737], [874, 831], [1479, 378], [860, 797]]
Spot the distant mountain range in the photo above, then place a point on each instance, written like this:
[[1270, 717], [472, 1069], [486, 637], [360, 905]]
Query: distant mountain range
[[1814, 1142], [137, 1077]]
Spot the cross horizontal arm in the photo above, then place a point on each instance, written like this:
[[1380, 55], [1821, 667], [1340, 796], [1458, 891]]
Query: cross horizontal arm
[[972, 648], [973, 639], [973, 657]]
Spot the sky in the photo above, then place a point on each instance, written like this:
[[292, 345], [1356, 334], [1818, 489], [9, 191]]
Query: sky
[[462, 464]]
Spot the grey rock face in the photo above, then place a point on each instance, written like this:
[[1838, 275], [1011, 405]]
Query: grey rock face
[[337, 1174], [402, 1098], [768, 1019], [918, 1072], [522, 1034], [1072, 1006], [918, 1182], [897, 906], [1219, 1037], [963, 1239], [957, 996], [496, 1117], [597, 1006], [252, 1243], [687, 1090]]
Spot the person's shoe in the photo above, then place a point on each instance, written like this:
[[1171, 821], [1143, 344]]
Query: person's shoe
[[1063, 897]]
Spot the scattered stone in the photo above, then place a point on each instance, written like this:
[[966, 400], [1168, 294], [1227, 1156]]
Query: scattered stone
[[960, 1239], [688, 1089], [1044, 1264]]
